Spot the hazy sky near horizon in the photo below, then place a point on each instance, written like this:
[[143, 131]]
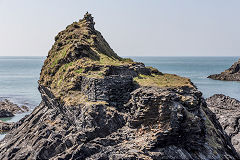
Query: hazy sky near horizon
[[132, 28]]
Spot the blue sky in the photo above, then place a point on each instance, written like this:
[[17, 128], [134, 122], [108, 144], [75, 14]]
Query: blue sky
[[132, 27]]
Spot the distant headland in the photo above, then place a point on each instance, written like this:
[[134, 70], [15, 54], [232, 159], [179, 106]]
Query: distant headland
[[231, 74]]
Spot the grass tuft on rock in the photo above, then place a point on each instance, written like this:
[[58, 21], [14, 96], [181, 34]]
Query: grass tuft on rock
[[165, 80]]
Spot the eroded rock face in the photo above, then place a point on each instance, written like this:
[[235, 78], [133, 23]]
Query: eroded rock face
[[155, 123], [227, 111], [231, 74], [9, 109]]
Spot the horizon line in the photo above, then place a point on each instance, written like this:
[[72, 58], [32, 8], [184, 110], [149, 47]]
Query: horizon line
[[124, 56]]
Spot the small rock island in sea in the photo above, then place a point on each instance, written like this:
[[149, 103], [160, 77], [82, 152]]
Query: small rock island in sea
[[231, 74], [97, 105]]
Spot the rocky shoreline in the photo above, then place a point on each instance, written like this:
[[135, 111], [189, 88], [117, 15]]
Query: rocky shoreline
[[231, 74], [9, 109], [97, 105]]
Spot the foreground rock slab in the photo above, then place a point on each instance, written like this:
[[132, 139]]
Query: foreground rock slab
[[9, 109], [231, 74], [227, 111]]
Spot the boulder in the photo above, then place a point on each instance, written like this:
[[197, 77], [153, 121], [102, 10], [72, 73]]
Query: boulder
[[227, 112]]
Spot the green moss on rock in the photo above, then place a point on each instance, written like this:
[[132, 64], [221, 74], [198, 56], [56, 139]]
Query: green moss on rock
[[164, 80]]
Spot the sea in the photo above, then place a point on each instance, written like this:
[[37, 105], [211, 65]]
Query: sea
[[19, 76]]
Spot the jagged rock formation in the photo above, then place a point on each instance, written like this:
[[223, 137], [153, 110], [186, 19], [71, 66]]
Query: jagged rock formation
[[9, 109], [96, 105], [231, 74], [80, 54], [227, 111]]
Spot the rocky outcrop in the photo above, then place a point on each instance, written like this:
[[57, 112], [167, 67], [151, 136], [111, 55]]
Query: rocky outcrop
[[231, 74], [96, 105], [80, 54], [9, 109], [227, 111]]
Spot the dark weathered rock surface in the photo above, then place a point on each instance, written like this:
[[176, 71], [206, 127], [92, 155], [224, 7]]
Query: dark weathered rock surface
[[231, 74], [9, 109], [5, 126], [227, 111], [100, 106], [156, 123]]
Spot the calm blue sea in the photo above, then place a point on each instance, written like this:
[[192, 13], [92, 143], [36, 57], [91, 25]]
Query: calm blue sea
[[19, 76], [18, 82], [18, 79]]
